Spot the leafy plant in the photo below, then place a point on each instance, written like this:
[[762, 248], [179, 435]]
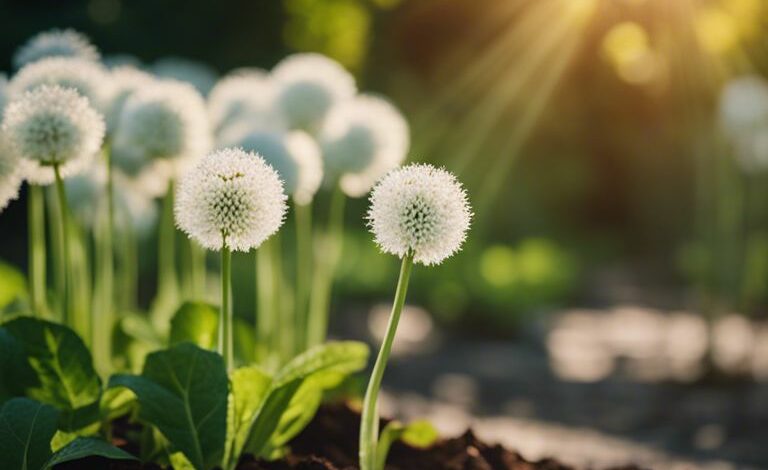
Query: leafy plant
[[26, 430], [417, 434], [211, 420]]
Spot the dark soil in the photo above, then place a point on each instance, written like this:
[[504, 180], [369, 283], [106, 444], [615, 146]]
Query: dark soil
[[330, 443]]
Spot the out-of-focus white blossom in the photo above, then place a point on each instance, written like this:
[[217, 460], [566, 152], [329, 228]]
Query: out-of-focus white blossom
[[308, 85], [55, 43], [362, 139], [126, 80], [88, 78], [3, 92], [200, 75], [744, 118], [162, 128], [11, 175], [51, 125], [243, 97], [230, 197], [419, 209]]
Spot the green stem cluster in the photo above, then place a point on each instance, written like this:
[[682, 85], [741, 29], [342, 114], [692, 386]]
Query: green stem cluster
[[62, 285], [37, 250], [225, 317], [369, 425]]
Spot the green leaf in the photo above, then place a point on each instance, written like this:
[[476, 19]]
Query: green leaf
[[26, 429], [183, 392], [88, 447], [317, 365], [249, 387], [62, 365], [15, 373], [14, 285], [197, 323], [419, 433]]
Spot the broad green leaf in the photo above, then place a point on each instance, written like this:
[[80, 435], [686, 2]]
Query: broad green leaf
[[62, 365], [15, 373], [332, 358], [62, 438], [179, 462], [134, 338], [183, 392], [417, 434], [420, 433], [88, 447], [300, 411], [13, 285], [249, 387], [26, 429], [115, 402], [196, 323]]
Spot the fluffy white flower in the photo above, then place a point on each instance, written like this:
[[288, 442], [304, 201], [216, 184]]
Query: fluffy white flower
[[307, 86], [166, 120], [88, 78], [200, 75], [362, 139], [126, 80], [231, 196], [744, 117], [53, 125], [10, 174], [419, 209], [242, 96], [55, 43], [294, 155]]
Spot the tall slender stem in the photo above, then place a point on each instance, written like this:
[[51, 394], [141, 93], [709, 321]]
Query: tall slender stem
[[63, 243], [225, 318], [369, 425], [167, 282], [264, 292], [197, 270], [323, 275], [304, 267], [103, 318], [36, 227]]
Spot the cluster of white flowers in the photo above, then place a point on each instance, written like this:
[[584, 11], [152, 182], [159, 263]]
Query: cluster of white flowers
[[55, 43], [126, 80], [51, 125], [422, 210], [744, 118], [244, 96], [231, 197]]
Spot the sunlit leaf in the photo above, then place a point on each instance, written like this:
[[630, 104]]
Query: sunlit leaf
[[197, 323], [183, 392], [83, 447]]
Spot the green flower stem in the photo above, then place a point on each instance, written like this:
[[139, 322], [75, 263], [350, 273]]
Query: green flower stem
[[225, 318], [369, 425], [197, 270], [304, 267], [128, 270], [323, 275], [270, 337], [36, 225], [167, 282], [103, 317], [63, 246], [80, 282]]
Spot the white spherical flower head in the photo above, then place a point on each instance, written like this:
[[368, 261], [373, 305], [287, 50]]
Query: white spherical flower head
[[307, 86], [422, 210], [241, 96], [53, 126], [11, 174], [55, 43], [126, 80], [362, 139], [165, 120], [88, 78], [294, 155], [231, 196]]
